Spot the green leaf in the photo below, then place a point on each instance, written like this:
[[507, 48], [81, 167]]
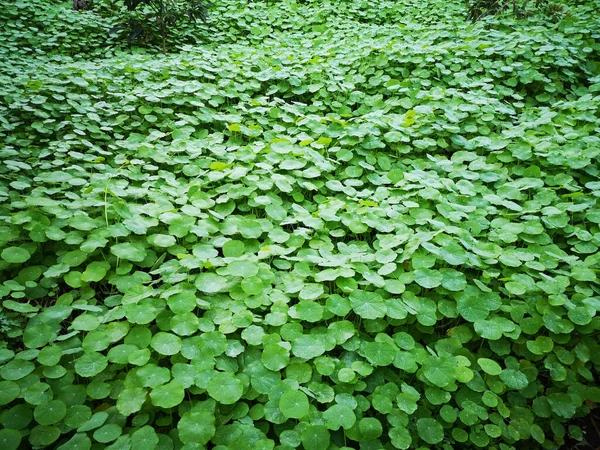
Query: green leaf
[[370, 428], [16, 369], [95, 271], [430, 431], [129, 251], [182, 302], [338, 416], [311, 291], [309, 311], [308, 346], [50, 413], [167, 395], [210, 283], [562, 405], [145, 438], [439, 371], [38, 335], [380, 353], [400, 438], [9, 390], [428, 278], [79, 441], [489, 366], [243, 268], [42, 435], [107, 433], [90, 364], [130, 400], [514, 379], [275, 357], [225, 388], [166, 343], [294, 404], [15, 255], [315, 437], [161, 240], [368, 305], [472, 308], [9, 439], [196, 426]]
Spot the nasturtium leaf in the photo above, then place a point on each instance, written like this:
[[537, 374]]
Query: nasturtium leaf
[[430, 430], [196, 426], [562, 405], [346, 375], [380, 353], [370, 428], [38, 393], [225, 388], [252, 285], [167, 395], [276, 212], [95, 271], [489, 366], [161, 240], [79, 441], [439, 371], [15, 255], [243, 268], [130, 400], [166, 343], [77, 415], [338, 416], [311, 291], [315, 437], [182, 302], [233, 248], [43, 435], [338, 305], [9, 439], [210, 283], [583, 273], [85, 322], [144, 438], [107, 433], [294, 404], [38, 335], [308, 311], [9, 390], [50, 413], [275, 357], [90, 364], [16, 369], [514, 379], [472, 308], [249, 228], [50, 355], [308, 346], [428, 278], [400, 437], [368, 305], [453, 280], [129, 251]]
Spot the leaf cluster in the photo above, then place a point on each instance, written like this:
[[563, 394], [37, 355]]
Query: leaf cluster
[[358, 231]]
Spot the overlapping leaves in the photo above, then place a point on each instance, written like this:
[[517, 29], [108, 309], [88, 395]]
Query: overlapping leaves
[[388, 239]]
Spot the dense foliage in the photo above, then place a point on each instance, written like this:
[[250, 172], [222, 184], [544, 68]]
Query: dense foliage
[[149, 18], [339, 225]]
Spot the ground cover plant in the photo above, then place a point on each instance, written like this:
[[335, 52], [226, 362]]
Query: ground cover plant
[[317, 225]]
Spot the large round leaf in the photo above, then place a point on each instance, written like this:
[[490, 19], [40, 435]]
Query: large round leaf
[[225, 388], [294, 404]]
